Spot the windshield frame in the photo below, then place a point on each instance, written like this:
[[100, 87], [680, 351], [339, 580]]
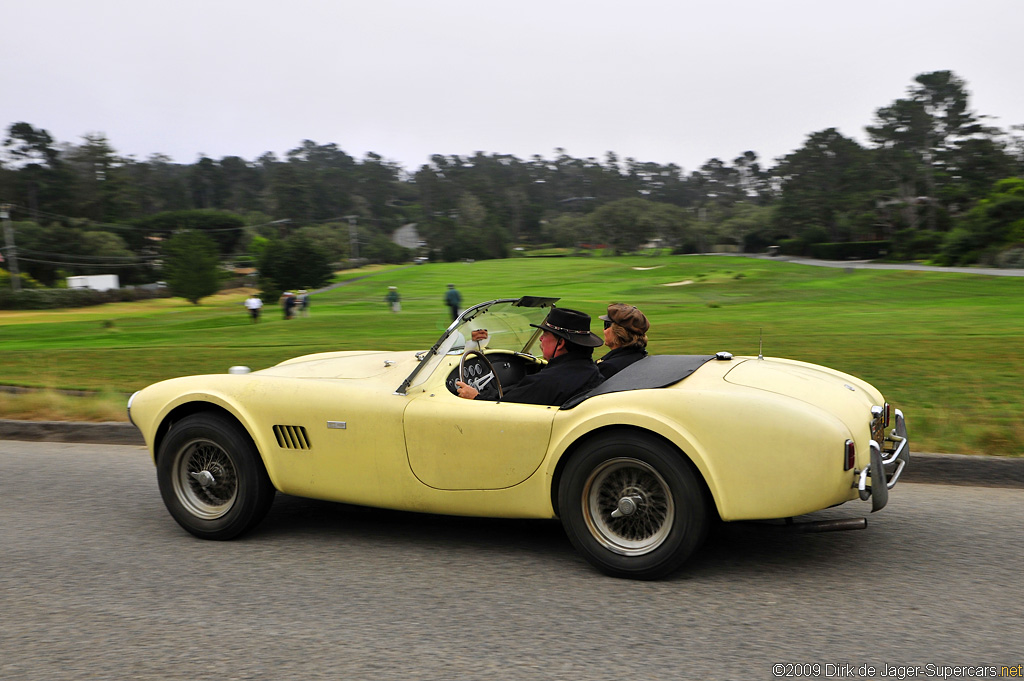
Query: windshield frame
[[507, 320]]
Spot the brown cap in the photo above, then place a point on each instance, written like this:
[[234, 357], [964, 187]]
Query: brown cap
[[628, 317]]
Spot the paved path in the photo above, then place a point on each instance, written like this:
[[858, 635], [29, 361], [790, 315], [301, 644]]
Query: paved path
[[872, 265], [349, 281]]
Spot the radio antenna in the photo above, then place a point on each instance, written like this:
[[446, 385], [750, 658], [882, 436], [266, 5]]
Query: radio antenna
[[760, 343]]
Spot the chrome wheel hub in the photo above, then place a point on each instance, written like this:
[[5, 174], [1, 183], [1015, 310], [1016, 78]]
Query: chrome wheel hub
[[205, 480], [627, 506]]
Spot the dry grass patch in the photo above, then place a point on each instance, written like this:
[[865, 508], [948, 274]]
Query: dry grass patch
[[51, 405]]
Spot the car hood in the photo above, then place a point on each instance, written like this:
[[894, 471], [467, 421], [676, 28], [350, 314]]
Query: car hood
[[809, 383], [352, 364]]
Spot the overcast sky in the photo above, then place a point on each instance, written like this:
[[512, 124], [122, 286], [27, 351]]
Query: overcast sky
[[670, 81]]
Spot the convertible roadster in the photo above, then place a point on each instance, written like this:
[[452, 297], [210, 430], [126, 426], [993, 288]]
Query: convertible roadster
[[636, 469]]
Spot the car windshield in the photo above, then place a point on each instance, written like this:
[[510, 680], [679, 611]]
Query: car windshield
[[507, 322]]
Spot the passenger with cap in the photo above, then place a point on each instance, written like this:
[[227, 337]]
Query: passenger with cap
[[568, 346], [625, 334]]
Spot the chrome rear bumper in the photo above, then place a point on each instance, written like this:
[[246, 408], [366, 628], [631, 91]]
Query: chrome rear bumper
[[886, 465]]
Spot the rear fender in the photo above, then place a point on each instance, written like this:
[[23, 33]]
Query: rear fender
[[761, 455]]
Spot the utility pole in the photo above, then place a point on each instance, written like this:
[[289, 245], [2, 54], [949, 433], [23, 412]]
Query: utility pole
[[12, 250], [282, 231], [353, 237]]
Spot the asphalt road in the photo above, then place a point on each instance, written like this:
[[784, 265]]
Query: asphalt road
[[97, 581]]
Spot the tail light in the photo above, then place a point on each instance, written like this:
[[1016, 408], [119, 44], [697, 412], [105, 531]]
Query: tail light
[[849, 455]]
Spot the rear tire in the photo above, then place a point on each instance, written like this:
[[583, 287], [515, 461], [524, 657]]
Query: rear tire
[[211, 477], [632, 505]]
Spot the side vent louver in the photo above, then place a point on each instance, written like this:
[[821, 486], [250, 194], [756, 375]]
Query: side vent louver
[[291, 437]]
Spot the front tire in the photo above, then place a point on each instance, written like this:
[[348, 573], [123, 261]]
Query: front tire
[[632, 505], [211, 477]]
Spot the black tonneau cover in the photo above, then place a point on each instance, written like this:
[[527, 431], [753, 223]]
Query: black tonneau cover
[[653, 371]]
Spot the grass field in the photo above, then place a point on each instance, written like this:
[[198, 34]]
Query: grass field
[[947, 348]]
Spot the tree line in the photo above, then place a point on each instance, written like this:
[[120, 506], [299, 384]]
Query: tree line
[[935, 182]]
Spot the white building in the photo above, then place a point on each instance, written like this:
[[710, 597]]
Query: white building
[[97, 282]]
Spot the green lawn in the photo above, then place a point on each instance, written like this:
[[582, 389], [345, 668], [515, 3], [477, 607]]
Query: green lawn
[[946, 348]]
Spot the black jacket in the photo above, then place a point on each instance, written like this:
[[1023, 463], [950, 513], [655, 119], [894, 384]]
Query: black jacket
[[563, 377], [620, 358]]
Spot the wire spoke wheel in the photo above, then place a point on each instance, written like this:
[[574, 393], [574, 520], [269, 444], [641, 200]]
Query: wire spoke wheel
[[628, 506], [205, 479], [632, 504], [212, 478]]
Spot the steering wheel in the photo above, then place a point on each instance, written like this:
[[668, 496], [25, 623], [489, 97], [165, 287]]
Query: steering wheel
[[483, 380]]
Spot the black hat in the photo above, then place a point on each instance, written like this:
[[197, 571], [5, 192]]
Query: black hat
[[572, 325]]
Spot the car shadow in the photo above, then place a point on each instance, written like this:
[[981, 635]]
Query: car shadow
[[291, 516], [731, 548]]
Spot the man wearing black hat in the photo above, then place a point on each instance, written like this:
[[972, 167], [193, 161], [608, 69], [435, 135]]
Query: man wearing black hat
[[568, 346]]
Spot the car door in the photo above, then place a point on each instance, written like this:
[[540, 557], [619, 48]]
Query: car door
[[458, 444]]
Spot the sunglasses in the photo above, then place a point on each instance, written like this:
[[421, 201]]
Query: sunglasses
[[608, 324]]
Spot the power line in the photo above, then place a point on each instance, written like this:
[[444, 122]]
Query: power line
[[123, 258], [36, 213], [98, 265]]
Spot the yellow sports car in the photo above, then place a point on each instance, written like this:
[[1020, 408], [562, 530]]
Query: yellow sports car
[[636, 469]]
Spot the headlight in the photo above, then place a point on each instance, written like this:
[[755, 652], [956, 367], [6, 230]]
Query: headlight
[[130, 407]]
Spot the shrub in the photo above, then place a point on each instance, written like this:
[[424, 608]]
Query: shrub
[[1011, 258], [25, 280], [192, 268], [295, 263], [959, 247], [58, 298], [852, 250]]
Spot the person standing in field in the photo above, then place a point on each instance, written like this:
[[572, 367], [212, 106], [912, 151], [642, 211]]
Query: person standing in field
[[394, 300], [303, 303], [253, 304], [453, 299], [288, 303]]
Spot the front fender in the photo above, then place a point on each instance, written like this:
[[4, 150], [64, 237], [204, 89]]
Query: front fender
[[154, 405]]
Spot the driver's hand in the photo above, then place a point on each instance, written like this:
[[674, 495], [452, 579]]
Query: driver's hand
[[465, 390], [478, 335]]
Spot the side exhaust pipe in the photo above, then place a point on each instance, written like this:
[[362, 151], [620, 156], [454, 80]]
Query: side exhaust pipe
[[832, 525]]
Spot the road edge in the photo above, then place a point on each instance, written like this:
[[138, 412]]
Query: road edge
[[108, 433]]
